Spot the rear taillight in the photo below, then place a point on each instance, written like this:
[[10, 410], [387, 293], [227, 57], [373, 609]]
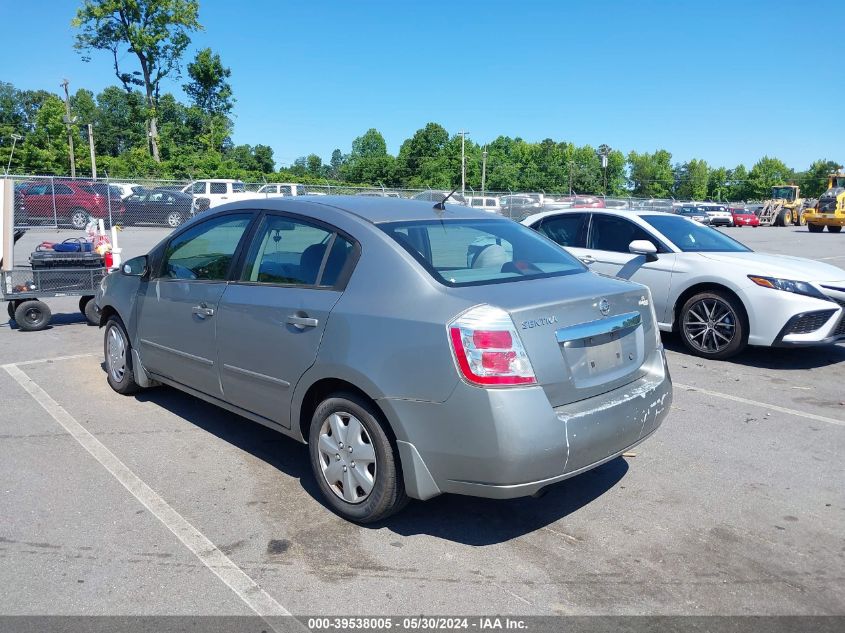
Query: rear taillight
[[487, 348]]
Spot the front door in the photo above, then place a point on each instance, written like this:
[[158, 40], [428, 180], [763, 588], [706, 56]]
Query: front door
[[607, 247], [271, 321], [177, 317]]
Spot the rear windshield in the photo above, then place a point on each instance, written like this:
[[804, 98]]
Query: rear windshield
[[478, 252], [692, 237]]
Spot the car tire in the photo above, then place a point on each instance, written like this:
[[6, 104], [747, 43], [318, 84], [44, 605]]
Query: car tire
[[707, 319], [117, 352], [88, 307], [815, 228], [78, 218], [10, 308], [32, 315], [174, 219], [834, 229], [382, 473]]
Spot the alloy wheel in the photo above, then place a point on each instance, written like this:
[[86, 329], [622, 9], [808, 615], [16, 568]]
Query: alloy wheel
[[347, 457], [174, 219], [710, 325], [79, 219]]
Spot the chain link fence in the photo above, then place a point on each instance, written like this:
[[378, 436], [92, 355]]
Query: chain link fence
[[65, 203]]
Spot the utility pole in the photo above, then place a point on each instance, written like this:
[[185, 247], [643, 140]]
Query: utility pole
[[15, 139], [69, 121], [483, 171], [463, 163], [91, 148], [571, 167]]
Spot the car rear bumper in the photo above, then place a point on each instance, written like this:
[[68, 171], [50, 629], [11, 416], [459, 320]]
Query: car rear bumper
[[505, 443]]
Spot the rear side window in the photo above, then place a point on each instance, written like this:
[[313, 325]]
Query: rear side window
[[205, 251], [64, 190], [567, 230], [290, 251], [612, 233], [218, 187], [477, 252]]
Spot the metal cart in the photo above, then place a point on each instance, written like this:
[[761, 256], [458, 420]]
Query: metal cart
[[24, 289]]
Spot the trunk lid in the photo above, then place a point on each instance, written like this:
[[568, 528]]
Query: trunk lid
[[576, 349]]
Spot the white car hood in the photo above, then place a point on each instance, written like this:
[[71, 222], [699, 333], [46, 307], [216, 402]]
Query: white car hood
[[781, 266]]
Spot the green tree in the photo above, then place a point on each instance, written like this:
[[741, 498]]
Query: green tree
[[718, 185], [738, 183], [813, 182], [155, 31], [651, 174], [209, 89], [765, 174], [691, 180]]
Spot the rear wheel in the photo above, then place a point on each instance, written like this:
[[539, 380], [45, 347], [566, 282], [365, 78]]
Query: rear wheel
[[118, 355], [10, 308], [799, 219], [78, 218], [712, 325], [88, 307], [32, 315], [815, 228], [834, 229], [354, 461]]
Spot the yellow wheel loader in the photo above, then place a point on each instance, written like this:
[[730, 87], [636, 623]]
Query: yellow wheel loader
[[829, 211], [786, 207]]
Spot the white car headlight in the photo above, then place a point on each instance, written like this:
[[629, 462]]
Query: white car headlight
[[788, 285]]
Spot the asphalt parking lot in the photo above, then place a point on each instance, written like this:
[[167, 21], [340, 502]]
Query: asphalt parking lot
[[162, 504]]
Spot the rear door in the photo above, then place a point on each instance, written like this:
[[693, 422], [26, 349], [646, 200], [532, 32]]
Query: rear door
[[569, 230], [607, 245], [272, 319], [177, 313]]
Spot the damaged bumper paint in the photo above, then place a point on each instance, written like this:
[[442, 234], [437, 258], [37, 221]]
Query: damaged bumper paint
[[525, 444]]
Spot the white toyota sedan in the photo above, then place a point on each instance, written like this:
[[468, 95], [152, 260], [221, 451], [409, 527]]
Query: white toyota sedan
[[718, 294]]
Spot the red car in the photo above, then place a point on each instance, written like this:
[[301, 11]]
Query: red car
[[70, 202], [743, 217]]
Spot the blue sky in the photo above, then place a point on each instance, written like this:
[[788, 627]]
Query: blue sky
[[724, 81]]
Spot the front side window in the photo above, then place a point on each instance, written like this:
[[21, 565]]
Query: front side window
[[205, 251], [64, 190], [238, 187], [566, 229], [199, 187], [612, 233], [289, 251], [476, 252], [692, 237]]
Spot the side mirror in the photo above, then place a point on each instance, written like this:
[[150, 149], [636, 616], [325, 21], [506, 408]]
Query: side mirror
[[643, 247], [135, 267]]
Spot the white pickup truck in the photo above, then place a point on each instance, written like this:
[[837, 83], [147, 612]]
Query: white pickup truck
[[220, 191]]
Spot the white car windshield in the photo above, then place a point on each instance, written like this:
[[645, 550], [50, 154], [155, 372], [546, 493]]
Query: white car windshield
[[692, 237]]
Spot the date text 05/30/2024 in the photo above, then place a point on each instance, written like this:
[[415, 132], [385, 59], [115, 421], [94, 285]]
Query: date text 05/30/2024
[[479, 623]]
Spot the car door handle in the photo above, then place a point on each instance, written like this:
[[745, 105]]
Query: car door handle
[[202, 311], [301, 323], [588, 259]]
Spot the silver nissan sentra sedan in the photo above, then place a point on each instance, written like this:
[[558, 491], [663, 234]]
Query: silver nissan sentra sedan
[[417, 348]]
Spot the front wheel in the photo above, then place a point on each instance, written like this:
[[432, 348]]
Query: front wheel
[[355, 463], [32, 315], [815, 228], [712, 325], [834, 229], [174, 219], [118, 355]]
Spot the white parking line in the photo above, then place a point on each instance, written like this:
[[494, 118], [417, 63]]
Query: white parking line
[[764, 405], [824, 259], [207, 552]]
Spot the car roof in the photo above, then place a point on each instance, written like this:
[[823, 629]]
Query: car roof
[[370, 208], [608, 211]]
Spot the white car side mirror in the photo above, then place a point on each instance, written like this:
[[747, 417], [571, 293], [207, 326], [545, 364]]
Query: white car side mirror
[[642, 247]]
